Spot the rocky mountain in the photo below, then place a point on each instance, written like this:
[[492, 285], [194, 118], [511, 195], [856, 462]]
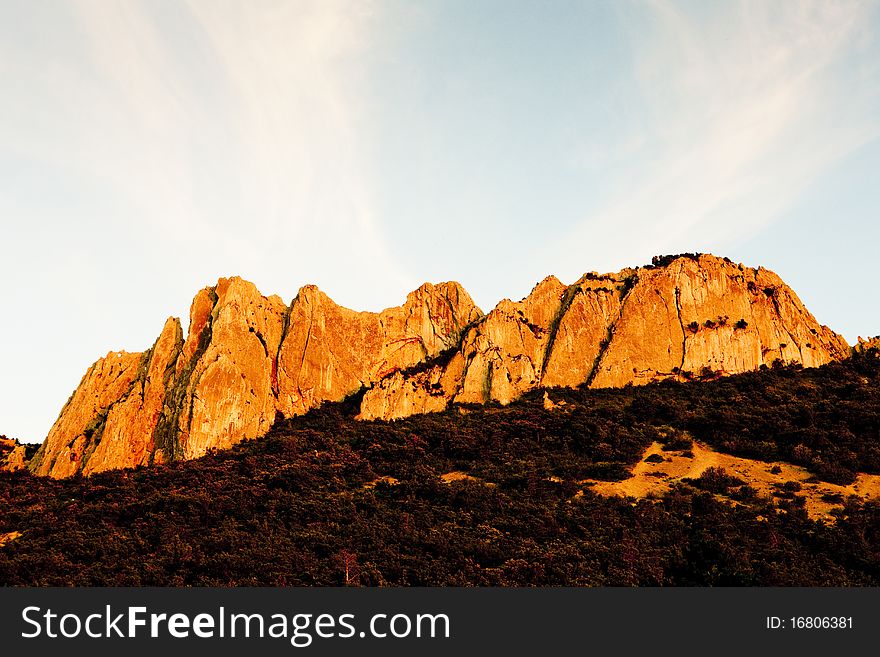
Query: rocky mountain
[[767, 478], [249, 359], [683, 316]]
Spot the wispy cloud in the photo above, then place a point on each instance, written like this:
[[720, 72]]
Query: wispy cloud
[[153, 147], [735, 113], [229, 132]]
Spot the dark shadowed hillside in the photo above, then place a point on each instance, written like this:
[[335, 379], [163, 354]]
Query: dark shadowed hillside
[[480, 496]]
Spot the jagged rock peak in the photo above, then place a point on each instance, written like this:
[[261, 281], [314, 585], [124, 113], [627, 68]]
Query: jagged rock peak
[[864, 346], [679, 317], [247, 359], [330, 352], [74, 435]]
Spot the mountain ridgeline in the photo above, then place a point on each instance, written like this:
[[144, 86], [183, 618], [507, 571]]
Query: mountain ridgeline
[[249, 360]]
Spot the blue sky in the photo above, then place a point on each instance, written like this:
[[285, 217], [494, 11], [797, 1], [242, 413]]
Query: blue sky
[[147, 148]]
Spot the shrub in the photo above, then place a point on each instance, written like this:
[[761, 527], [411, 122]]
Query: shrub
[[677, 441], [715, 480], [744, 493]]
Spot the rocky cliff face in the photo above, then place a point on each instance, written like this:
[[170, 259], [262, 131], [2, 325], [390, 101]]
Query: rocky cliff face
[[680, 317], [330, 352], [79, 427], [246, 360]]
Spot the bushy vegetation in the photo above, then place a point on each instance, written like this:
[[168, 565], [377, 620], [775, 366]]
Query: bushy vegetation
[[826, 419], [716, 480], [328, 500], [666, 260]]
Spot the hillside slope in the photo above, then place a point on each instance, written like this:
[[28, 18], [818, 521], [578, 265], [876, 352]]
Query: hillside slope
[[479, 495]]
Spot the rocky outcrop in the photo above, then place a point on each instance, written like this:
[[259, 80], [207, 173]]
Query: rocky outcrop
[[247, 359], [330, 352], [503, 355], [687, 315], [227, 390], [13, 455], [499, 358], [703, 312], [864, 346], [124, 438], [76, 432]]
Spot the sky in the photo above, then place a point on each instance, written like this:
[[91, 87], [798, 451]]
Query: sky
[[148, 148]]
